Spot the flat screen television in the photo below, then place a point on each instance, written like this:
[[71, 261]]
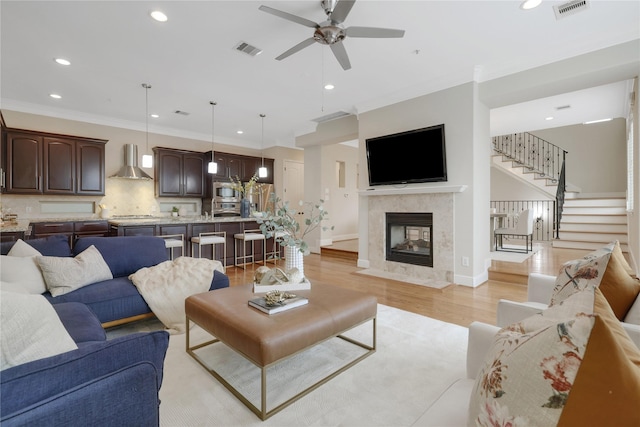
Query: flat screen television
[[408, 157]]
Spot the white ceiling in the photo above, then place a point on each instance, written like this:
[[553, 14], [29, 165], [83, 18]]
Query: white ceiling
[[114, 47]]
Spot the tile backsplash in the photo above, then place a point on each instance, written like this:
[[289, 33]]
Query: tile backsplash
[[122, 197]]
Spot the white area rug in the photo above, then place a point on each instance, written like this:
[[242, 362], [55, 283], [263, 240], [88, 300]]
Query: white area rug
[[416, 359]]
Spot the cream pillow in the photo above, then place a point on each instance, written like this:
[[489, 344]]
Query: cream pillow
[[31, 330], [22, 271], [22, 249], [63, 275]]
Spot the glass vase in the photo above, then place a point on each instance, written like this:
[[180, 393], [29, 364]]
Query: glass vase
[[245, 208]]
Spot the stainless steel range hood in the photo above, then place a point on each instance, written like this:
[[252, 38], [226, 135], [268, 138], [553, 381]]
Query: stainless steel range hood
[[130, 170]]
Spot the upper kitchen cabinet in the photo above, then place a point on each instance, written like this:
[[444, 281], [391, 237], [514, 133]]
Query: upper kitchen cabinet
[[179, 173], [231, 166], [42, 163], [23, 162], [90, 168]]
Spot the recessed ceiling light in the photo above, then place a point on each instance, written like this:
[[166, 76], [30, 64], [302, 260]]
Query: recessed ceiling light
[[549, 118], [155, 116], [239, 131], [598, 121], [55, 96], [159, 16], [329, 86], [530, 4], [62, 61]]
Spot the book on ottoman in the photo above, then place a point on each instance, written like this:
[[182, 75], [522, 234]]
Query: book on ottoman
[[261, 304]]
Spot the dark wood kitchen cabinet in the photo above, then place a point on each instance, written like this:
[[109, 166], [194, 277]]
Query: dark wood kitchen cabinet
[[179, 173], [23, 162], [43, 163]]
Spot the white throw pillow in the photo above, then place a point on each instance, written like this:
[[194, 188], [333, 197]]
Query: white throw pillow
[[22, 271], [22, 249], [633, 315], [13, 287], [63, 274], [31, 330]]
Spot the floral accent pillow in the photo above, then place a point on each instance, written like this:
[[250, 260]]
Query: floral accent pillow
[[531, 367], [573, 364], [580, 274]]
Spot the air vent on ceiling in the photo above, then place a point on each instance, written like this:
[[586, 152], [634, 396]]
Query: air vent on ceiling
[[182, 113], [248, 49], [331, 116], [570, 8], [563, 107]]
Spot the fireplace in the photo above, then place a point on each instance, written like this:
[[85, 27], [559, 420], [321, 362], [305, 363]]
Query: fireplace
[[409, 238]]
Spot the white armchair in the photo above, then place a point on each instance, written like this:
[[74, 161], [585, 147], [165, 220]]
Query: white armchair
[[450, 408], [539, 290], [523, 228]]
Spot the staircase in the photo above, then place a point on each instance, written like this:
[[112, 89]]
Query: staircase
[[586, 223], [590, 223]]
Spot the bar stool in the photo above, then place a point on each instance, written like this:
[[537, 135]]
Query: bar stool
[[172, 241], [212, 238], [277, 247], [249, 236]]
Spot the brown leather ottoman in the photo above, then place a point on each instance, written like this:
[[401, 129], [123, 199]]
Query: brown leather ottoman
[[268, 339]]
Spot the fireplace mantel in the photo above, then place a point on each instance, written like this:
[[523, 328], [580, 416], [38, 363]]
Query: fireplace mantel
[[387, 191]]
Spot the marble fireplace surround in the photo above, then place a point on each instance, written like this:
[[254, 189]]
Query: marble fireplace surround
[[437, 200]]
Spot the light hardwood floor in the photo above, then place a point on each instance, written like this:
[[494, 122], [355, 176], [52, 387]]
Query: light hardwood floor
[[454, 304]]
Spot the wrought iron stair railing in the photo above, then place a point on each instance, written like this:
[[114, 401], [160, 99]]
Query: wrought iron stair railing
[[533, 153], [538, 156]]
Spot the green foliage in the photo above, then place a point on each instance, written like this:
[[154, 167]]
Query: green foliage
[[247, 188], [281, 222]]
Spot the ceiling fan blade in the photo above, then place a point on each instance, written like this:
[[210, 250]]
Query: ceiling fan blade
[[289, 17], [341, 55], [341, 10], [373, 32], [297, 48]]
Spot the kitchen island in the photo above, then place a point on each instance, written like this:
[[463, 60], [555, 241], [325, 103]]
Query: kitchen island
[[188, 227]]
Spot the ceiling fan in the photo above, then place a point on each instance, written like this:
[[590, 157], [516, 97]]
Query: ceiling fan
[[331, 32]]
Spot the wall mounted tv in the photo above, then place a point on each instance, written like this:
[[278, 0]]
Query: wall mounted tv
[[408, 157]]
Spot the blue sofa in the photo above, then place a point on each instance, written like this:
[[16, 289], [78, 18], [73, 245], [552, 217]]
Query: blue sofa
[[116, 300], [102, 383]]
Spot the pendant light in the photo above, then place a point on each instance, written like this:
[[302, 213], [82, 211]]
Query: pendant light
[[262, 171], [147, 159], [213, 166]]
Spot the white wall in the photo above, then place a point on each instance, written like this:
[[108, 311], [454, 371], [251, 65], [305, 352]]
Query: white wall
[[467, 135], [597, 154]]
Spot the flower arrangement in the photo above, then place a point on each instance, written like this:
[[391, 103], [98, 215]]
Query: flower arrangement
[[281, 222], [246, 188]]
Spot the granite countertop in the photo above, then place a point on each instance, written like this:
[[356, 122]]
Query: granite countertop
[[177, 220]]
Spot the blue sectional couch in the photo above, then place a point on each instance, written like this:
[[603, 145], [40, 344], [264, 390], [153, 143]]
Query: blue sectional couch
[[102, 383], [116, 300]]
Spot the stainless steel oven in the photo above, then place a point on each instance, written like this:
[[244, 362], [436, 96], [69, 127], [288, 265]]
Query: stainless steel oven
[[225, 191], [225, 201], [220, 208]]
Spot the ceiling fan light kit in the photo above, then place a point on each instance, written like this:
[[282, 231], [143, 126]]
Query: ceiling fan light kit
[[331, 32]]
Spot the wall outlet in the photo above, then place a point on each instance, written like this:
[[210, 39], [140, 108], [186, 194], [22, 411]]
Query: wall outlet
[[465, 261]]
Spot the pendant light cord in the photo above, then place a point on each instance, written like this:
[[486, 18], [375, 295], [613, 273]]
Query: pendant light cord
[[262, 116], [213, 123], [146, 116]]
